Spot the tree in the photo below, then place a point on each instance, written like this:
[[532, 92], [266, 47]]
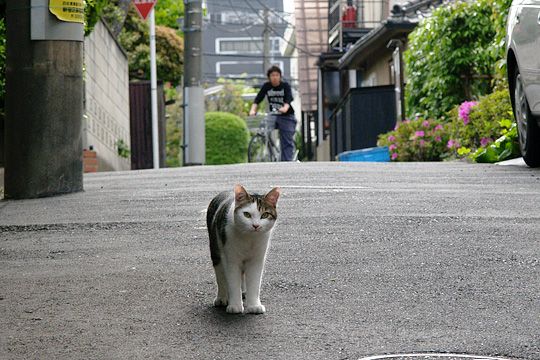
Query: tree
[[92, 13], [115, 14], [168, 12], [450, 59], [229, 98], [169, 47]]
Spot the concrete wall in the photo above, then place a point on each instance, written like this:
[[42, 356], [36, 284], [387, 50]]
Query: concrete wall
[[106, 99]]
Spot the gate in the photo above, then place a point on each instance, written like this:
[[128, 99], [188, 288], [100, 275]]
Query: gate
[[361, 116]]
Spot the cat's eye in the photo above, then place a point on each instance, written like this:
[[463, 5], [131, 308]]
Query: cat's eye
[[246, 214], [265, 215]]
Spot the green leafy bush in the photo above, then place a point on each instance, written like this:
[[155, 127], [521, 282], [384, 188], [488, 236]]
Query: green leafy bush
[[478, 124], [498, 45], [227, 139], [504, 148], [450, 58], [417, 140], [92, 13]]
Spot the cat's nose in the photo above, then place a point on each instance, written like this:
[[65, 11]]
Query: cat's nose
[[256, 226]]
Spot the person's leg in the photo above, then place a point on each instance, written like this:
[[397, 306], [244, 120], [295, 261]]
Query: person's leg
[[286, 139], [287, 126]]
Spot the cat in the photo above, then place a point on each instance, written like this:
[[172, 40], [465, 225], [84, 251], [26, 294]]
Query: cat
[[239, 227]]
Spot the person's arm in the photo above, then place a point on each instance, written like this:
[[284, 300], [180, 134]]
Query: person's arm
[[284, 108], [288, 98], [253, 110], [260, 96]]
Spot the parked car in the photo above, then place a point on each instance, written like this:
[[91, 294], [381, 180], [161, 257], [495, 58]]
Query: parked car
[[523, 66]]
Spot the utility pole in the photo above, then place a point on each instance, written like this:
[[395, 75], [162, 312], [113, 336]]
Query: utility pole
[[44, 98], [266, 42], [153, 91], [194, 122]]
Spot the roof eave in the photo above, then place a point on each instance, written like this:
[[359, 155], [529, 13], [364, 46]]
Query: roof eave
[[387, 27]]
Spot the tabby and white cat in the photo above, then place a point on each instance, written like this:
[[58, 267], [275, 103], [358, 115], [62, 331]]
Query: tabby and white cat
[[240, 226]]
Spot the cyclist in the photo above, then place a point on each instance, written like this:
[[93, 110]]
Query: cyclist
[[279, 96]]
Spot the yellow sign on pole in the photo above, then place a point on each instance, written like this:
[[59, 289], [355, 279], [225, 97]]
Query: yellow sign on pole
[[68, 10]]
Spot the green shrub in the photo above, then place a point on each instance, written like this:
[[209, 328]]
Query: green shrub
[[417, 140], [227, 139], [504, 148], [478, 124], [450, 58], [92, 13]]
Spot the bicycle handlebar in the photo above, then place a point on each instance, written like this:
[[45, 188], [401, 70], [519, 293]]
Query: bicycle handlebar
[[268, 113]]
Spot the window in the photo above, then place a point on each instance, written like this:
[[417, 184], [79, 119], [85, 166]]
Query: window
[[246, 46], [241, 18]]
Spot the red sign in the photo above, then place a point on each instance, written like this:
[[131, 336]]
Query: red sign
[[144, 7]]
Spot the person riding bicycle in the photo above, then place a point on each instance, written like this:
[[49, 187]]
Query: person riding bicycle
[[279, 96]]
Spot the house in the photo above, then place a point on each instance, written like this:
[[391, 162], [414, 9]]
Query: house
[[373, 56], [233, 39], [361, 76], [311, 39]]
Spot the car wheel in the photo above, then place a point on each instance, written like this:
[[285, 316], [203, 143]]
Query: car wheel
[[528, 130]]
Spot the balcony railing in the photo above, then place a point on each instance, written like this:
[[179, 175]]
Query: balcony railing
[[362, 14]]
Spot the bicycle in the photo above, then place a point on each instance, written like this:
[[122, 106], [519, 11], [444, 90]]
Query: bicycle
[[264, 145]]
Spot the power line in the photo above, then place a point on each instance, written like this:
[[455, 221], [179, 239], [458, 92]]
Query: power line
[[281, 36]]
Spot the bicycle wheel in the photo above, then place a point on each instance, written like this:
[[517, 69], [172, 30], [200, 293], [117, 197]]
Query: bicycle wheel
[[258, 149], [274, 151]]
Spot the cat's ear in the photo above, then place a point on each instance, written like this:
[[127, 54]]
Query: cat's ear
[[240, 194], [273, 196]]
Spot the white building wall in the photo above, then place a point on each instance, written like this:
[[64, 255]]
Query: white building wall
[[106, 99]]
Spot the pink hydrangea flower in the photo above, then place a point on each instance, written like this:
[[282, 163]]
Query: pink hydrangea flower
[[485, 141], [392, 147], [394, 156], [438, 127], [425, 123], [451, 144], [422, 143], [419, 133], [465, 110], [438, 139], [391, 138]]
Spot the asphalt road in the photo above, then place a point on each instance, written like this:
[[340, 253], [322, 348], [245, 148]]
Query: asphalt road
[[366, 259]]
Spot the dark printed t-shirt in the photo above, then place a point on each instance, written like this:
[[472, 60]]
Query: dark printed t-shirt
[[277, 96]]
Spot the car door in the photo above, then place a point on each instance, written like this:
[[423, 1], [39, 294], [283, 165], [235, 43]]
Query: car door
[[526, 38]]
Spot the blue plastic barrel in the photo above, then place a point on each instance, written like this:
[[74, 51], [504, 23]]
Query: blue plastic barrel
[[375, 154]]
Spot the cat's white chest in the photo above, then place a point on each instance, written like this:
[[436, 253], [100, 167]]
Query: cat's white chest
[[244, 247]]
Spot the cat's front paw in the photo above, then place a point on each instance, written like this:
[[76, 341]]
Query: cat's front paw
[[220, 302], [235, 309], [256, 309]]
